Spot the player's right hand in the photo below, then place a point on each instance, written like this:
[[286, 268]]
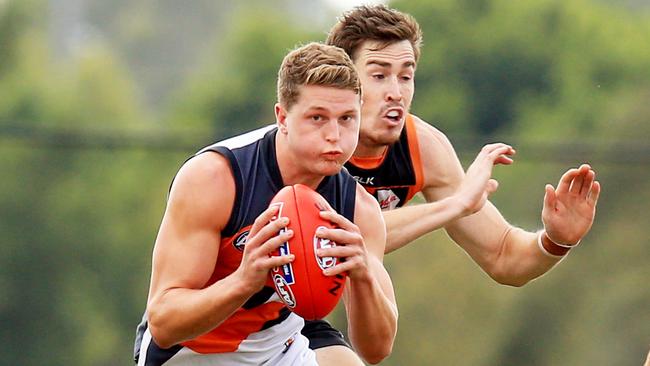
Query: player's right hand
[[262, 240], [350, 246], [478, 183]]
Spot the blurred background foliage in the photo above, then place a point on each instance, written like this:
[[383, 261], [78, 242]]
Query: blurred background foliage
[[101, 101]]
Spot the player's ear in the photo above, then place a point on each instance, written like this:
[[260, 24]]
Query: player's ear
[[281, 118]]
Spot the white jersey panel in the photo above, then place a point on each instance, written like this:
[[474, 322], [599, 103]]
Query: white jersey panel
[[279, 345]]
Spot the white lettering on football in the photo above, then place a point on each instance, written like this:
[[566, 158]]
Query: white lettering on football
[[284, 291], [324, 262]]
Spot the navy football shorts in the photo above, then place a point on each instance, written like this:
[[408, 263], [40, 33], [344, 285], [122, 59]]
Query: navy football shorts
[[321, 334]]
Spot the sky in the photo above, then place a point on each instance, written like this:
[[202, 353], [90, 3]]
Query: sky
[[348, 4]]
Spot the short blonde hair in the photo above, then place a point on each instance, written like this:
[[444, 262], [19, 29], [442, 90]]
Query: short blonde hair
[[315, 64]]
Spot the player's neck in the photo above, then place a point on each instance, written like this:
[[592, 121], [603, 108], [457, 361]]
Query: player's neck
[[367, 149], [291, 171], [291, 176]]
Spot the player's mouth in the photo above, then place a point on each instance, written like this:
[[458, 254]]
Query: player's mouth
[[332, 155], [394, 116]]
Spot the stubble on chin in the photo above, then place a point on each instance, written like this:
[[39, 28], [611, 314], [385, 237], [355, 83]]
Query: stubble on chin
[[387, 138]]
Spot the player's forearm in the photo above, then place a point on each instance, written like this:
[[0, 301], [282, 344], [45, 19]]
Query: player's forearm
[[521, 259], [372, 319], [509, 255], [180, 314], [406, 224]]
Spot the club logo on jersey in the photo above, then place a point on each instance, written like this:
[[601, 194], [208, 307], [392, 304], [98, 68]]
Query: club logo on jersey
[[324, 262], [240, 241], [388, 200], [284, 291], [364, 181]]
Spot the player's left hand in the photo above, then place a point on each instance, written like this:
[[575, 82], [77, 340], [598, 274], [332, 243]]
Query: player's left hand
[[350, 246], [570, 209]]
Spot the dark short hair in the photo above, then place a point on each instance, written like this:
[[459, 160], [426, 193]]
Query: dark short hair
[[374, 23]]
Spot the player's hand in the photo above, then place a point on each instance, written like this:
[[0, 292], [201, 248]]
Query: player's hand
[[478, 184], [262, 240], [350, 247], [570, 209]]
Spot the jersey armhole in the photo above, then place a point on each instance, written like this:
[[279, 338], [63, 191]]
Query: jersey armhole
[[416, 161]]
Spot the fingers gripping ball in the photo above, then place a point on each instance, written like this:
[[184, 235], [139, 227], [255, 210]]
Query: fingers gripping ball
[[301, 285]]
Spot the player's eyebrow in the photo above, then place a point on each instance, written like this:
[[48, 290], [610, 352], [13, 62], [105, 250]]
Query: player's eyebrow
[[406, 64], [378, 63], [318, 108]]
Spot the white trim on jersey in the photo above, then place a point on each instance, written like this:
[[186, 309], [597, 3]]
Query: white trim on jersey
[[246, 138], [279, 345], [144, 347]]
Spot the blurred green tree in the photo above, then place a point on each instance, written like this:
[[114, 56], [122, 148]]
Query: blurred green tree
[[78, 217], [236, 89], [70, 218]]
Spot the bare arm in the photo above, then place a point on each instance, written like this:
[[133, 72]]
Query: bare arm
[[369, 296], [180, 307], [508, 254], [511, 255]]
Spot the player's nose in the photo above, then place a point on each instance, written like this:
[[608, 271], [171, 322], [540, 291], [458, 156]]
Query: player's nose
[[332, 132], [393, 91]]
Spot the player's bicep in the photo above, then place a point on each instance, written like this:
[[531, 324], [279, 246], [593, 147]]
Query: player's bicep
[[187, 244]]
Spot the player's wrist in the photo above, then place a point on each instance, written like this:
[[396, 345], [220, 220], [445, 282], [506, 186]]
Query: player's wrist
[[460, 206], [561, 243], [551, 248], [361, 276], [244, 285]]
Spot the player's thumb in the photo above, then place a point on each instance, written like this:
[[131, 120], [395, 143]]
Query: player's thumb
[[549, 196]]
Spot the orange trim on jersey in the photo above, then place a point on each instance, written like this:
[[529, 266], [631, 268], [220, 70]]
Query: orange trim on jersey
[[414, 150], [369, 162], [228, 335]]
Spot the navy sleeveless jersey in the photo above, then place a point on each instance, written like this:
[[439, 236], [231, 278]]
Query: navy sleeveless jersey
[[395, 177]]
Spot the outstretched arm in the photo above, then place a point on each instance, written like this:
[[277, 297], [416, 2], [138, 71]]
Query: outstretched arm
[[508, 254], [514, 256]]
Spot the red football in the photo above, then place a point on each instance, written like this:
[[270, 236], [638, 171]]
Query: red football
[[301, 284]]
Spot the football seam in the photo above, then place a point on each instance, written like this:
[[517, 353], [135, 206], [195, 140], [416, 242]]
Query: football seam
[[304, 252]]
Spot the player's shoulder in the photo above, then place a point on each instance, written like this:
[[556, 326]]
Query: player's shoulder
[[364, 199], [368, 217], [440, 163], [428, 134], [434, 145], [204, 169], [366, 210], [205, 182]]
